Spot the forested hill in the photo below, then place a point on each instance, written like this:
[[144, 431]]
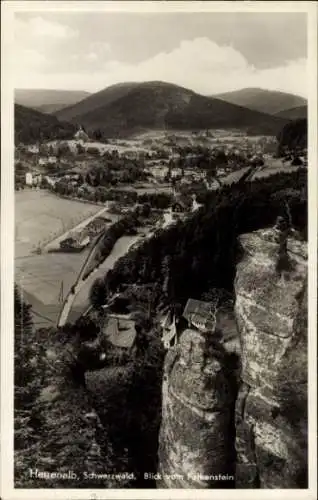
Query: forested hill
[[192, 256], [31, 126], [294, 135], [130, 108]]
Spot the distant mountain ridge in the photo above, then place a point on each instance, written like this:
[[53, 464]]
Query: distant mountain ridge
[[94, 101], [47, 100], [31, 126], [294, 113], [262, 100], [124, 109]]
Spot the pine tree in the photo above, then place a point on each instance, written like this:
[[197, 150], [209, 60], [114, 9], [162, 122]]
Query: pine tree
[[98, 293], [24, 350], [22, 317]]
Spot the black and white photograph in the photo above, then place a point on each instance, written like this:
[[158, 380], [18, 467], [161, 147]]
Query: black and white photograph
[[160, 224]]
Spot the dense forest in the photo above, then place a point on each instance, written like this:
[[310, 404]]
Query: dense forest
[[188, 259], [293, 136], [161, 105], [31, 126]]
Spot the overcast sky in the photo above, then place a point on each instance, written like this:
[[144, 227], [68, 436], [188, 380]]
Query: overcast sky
[[207, 52]]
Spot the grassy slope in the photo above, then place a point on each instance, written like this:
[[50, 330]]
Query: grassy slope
[[95, 101], [31, 125]]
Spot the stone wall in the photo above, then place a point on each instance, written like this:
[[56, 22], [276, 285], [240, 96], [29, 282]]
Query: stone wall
[[271, 408]]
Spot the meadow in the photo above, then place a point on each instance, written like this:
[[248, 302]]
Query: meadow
[[41, 216], [46, 278]]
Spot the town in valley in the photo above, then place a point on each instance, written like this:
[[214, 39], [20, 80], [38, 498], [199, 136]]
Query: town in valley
[[160, 252]]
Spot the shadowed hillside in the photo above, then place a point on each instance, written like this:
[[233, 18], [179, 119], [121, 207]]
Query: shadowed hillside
[[265, 101], [129, 108], [31, 126], [95, 101], [294, 113]]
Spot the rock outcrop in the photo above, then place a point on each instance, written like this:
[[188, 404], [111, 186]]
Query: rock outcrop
[[257, 433], [196, 443], [271, 408]]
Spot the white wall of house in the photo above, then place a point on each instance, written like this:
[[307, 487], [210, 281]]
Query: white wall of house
[[28, 179], [175, 172]]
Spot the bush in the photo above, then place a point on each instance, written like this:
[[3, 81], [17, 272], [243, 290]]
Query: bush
[[98, 293], [293, 136]]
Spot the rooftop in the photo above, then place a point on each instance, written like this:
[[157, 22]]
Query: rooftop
[[120, 331], [200, 314]]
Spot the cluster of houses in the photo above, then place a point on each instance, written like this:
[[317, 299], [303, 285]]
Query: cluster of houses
[[161, 172], [120, 331], [33, 179], [183, 204]]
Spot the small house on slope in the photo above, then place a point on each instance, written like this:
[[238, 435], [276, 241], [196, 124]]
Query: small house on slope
[[200, 315], [181, 203], [120, 331], [179, 206]]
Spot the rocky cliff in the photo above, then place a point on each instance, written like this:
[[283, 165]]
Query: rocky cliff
[[196, 444], [271, 311], [210, 431]]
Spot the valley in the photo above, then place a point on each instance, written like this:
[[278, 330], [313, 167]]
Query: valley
[[137, 208], [157, 167]]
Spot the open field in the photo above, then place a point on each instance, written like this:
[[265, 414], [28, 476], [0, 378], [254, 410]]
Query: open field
[[41, 216], [46, 278], [45, 275]]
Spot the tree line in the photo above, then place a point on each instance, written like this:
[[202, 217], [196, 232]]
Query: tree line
[[200, 253]]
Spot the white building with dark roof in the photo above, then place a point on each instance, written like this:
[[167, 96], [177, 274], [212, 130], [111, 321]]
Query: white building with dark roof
[[81, 136], [200, 315]]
